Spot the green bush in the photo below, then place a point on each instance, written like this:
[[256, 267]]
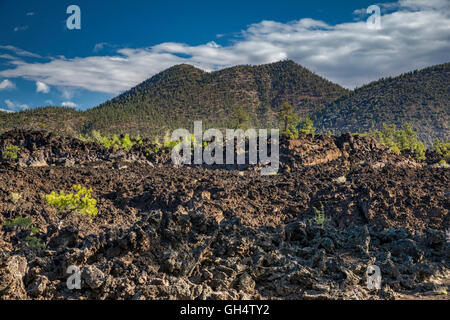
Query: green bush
[[319, 216], [399, 140], [25, 224], [115, 143], [10, 152], [161, 148], [126, 142], [307, 127], [138, 140], [18, 222], [291, 132], [170, 144], [187, 140], [442, 148], [81, 202]]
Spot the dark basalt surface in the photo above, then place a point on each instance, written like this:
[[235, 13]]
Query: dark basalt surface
[[216, 232]]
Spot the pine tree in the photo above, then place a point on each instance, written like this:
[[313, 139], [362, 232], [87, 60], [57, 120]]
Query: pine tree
[[241, 118], [289, 120], [307, 127]]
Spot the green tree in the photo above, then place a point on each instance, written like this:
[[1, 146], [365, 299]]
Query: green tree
[[399, 140], [386, 136], [240, 117], [289, 121], [407, 140], [307, 127], [442, 148]]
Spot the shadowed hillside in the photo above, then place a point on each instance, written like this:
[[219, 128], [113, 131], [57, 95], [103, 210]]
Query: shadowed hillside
[[58, 119], [419, 97]]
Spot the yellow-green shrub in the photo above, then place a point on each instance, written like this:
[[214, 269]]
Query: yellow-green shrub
[[10, 152], [81, 202], [114, 142]]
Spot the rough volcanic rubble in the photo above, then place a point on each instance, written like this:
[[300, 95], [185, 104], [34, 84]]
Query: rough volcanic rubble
[[167, 232]]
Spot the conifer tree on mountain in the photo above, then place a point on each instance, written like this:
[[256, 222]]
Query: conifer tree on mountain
[[289, 120], [241, 118]]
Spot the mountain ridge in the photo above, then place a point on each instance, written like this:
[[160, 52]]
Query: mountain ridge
[[212, 96], [179, 95], [420, 97]]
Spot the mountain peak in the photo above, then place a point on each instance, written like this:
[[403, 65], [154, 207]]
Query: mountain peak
[[183, 67], [183, 93]]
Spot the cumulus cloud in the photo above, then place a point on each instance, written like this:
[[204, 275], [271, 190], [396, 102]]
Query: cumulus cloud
[[30, 14], [42, 87], [6, 84], [13, 106], [69, 104], [414, 34]]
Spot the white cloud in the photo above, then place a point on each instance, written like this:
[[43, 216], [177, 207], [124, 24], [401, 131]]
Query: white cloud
[[104, 46], [30, 14], [42, 87], [9, 103], [21, 28], [414, 34], [67, 93], [15, 106], [100, 46], [7, 56], [421, 4], [6, 84], [69, 104], [19, 52]]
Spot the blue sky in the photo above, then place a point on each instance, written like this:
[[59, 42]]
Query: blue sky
[[122, 43]]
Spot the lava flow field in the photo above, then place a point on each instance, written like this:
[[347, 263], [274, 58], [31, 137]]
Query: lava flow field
[[218, 232]]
